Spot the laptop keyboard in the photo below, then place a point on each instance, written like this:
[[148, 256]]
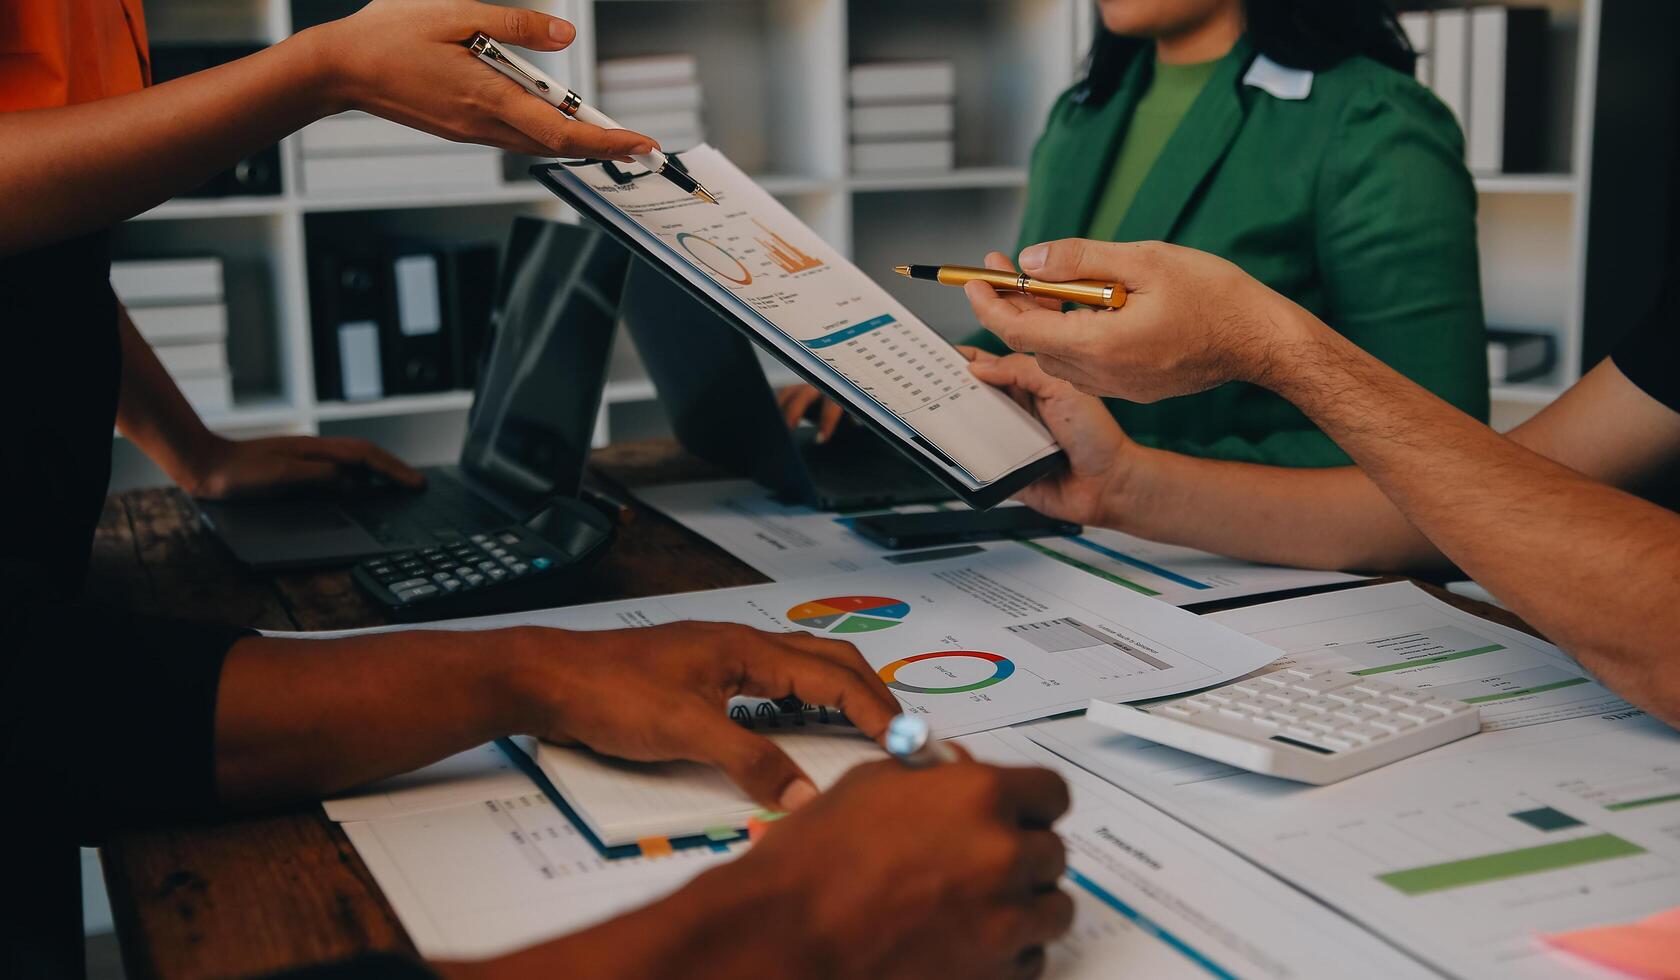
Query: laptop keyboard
[[447, 511]]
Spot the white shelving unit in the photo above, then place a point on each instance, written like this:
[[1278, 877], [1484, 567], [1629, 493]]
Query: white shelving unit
[[773, 73]]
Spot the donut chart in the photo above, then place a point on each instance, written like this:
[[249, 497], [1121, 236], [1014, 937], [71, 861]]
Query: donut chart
[[715, 257], [1001, 667], [850, 613]]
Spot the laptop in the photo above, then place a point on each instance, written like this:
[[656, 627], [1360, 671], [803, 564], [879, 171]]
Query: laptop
[[528, 431], [723, 409]]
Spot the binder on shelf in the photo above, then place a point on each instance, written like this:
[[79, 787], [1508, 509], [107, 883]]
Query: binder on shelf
[[193, 360], [880, 122], [1450, 62], [345, 306], [629, 101], [182, 324], [903, 81], [159, 282], [212, 394], [1507, 90], [909, 156], [417, 173], [646, 71], [413, 349], [469, 290]]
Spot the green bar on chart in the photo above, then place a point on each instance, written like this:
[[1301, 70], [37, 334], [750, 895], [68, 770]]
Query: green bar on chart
[[1648, 801], [1094, 570], [1537, 689], [1509, 864], [1426, 661]]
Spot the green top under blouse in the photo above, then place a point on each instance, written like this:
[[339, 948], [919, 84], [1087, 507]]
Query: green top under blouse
[[1171, 93]]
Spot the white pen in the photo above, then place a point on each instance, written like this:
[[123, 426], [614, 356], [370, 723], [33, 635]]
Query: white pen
[[539, 84], [911, 741]]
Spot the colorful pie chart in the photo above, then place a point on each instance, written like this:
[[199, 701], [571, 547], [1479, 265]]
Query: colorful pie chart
[[957, 675], [850, 613]]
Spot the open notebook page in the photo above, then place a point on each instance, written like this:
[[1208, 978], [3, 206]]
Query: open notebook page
[[624, 802], [827, 313]]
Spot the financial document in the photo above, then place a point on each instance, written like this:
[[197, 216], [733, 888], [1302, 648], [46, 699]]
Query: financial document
[[972, 643], [805, 298], [790, 541], [1152, 897], [1563, 813]]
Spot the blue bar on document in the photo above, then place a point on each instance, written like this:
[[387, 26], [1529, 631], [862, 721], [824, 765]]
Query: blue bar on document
[[847, 333]]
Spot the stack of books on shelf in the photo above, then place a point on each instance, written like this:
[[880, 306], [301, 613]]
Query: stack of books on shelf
[[1489, 66], [655, 95], [902, 117], [354, 154], [178, 306]]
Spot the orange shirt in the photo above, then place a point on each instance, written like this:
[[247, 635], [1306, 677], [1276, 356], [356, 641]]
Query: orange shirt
[[66, 52]]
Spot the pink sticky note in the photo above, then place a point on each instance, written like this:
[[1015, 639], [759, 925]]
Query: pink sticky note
[[1648, 949]]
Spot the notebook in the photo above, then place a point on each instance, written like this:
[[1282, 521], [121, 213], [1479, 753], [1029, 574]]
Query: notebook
[[625, 802]]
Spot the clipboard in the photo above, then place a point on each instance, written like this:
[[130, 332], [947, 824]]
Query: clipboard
[[718, 300]]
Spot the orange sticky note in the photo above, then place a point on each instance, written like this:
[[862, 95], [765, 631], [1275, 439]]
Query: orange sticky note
[[654, 847], [1649, 948]]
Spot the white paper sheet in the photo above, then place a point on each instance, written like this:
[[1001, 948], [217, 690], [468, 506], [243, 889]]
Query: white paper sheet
[[972, 643], [1561, 814], [473, 776], [789, 541]]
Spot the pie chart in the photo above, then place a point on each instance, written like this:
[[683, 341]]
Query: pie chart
[[947, 672], [850, 613], [715, 257]]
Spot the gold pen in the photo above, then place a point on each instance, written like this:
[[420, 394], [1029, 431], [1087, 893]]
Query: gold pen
[[1087, 292]]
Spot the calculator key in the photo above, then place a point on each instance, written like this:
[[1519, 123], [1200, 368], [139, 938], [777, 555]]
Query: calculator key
[[1303, 733], [1392, 726], [473, 581], [539, 563], [1282, 697], [450, 584], [508, 559], [1363, 734], [1335, 742], [1324, 724], [1321, 704], [1179, 710], [496, 574], [403, 556], [480, 538], [485, 566], [1231, 712], [1416, 715], [1289, 715], [1215, 697], [418, 592], [1357, 713], [508, 537], [1271, 680], [1198, 701], [1405, 696], [1443, 708], [1317, 685], [406, 584], [1373, 688], [1345, 697], [1252, 706], [519, 568], [441, 576], [1266, 721], [1248, 687], [1301, 673]]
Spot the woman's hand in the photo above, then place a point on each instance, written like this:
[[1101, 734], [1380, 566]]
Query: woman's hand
[[799, 401], [231, 468], [405, 60], [1099, 453], [1191, 320], [661, 692]]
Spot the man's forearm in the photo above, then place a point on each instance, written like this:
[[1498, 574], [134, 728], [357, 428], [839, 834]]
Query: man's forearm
[[301, 719], [67, 171], [1592, 567]]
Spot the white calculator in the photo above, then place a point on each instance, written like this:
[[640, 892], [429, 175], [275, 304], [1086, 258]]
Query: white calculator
[[1313, 726]]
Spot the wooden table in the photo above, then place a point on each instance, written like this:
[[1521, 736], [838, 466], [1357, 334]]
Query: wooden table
[[285, 890]]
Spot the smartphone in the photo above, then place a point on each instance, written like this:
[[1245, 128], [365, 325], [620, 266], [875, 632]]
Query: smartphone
[[938, 527]]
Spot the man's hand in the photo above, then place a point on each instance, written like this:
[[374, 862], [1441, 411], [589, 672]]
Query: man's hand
[[1098, 452], [286, 464], [405, 60], [1191, 320], [964, 884], [660, 693]]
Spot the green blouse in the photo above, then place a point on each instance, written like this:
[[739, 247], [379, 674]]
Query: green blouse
[[1353, 201]]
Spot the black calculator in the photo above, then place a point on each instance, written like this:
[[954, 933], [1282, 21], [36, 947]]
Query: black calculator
[[502, 570]]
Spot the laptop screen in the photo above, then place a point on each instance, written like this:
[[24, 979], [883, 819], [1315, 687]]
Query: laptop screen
[[534, 411]]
